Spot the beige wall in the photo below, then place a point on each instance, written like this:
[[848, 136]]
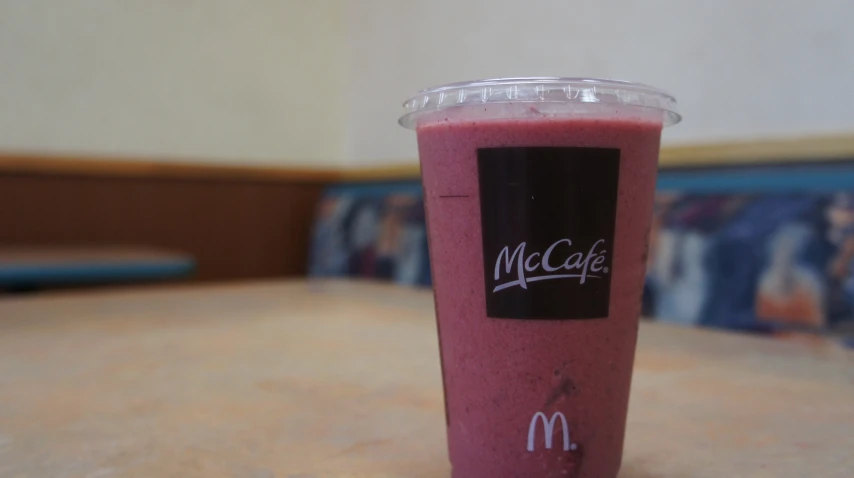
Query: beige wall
[[741, 69], [320, 82], [216, 80]]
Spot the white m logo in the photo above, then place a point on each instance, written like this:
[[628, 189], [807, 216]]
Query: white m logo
[[549, 426]]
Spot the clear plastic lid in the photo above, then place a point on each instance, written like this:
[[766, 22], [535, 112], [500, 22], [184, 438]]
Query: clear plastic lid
[[547, 94]]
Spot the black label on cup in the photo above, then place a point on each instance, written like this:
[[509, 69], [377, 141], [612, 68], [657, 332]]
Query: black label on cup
[[548, 216]]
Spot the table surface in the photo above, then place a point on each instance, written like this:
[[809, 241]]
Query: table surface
[[332, 379]]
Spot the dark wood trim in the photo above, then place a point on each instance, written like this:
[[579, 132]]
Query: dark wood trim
[[102, 166], [772, 150], [242, 222], [241, 226], [402, 172]]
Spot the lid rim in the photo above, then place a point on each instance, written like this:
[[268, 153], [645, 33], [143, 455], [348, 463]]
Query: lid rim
[[534, 90], [536, 80]]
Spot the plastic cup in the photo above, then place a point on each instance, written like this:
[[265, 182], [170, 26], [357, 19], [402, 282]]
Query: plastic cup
[[539, 197]]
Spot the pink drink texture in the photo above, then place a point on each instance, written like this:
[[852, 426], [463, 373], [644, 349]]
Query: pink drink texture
[[498, 373]]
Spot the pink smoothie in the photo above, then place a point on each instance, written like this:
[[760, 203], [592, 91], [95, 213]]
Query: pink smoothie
[[500, 373]]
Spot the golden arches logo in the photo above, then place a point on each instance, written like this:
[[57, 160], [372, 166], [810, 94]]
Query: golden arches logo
[[548, 429]]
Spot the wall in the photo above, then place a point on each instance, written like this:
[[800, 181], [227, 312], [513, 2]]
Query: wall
[[319, 83], [210, 80], [741, 70]]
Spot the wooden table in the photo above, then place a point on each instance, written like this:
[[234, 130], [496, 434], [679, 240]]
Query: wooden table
[[342, 380]]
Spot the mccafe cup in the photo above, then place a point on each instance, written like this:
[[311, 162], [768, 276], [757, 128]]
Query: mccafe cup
[[539, 196]]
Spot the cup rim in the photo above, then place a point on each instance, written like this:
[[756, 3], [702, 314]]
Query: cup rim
[[567, 90]]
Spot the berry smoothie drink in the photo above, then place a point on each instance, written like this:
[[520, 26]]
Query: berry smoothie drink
[[539, 196]]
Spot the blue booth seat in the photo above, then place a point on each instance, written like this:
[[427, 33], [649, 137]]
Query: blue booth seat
[[34, 268], [762, 249]]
